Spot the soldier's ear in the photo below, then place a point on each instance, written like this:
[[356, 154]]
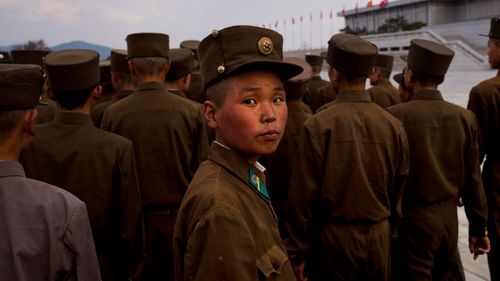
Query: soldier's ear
[[210, 110]]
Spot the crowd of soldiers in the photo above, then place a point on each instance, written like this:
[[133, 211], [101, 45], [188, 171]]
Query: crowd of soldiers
[[222, 160]]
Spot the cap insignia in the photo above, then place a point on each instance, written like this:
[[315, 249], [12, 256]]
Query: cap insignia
[[265, 45]]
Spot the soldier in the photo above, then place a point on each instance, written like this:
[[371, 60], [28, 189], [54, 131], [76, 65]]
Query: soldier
[[484, 101], [226, 229], [121, 81], [178, 77], [46, 111], [383, 92], [45, 231], [195, 91], [404, 94], [105, 81], [279, 164], [348, 177], [444, 165], [96, 166], [312, 98], [170, 142]]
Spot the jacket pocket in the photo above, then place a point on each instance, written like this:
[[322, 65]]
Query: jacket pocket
[[272, 261]]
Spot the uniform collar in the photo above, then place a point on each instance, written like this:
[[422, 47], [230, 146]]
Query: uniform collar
[[177, 93], [252, 175], [10, 168], [353, 96], [153, 85], [123, 93], [428, 95], [383, 81], [74, 118]]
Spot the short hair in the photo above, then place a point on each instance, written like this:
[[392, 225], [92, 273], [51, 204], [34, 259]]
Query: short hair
[[148, 65], [8, 121], [218, 91], [353, 79], [316, 69], [384, 72], [123, 78], [427, 79], [73, 99]]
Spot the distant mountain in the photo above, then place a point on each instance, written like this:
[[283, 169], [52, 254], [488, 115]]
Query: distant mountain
[[102, 50]]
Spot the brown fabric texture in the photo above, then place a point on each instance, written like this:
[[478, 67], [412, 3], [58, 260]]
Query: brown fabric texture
[[28, 56], [181, 64], [240, 48], [384, 94], [423, 51], [484, 101], [148, 45], [71, 70], [223, 216], [313, 98], [119, 61], [351, 55], [350, 168], [99, 168]]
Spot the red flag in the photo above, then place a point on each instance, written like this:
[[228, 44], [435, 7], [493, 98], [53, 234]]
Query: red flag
[[331, 14], [321, 15], [369, 4], [384, 3], [293, 20]]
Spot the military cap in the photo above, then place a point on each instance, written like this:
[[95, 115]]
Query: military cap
[[323, 54], [429, 57], [384, 61], [119, 61], [314, 61], [296, 87], [20, 86], [351, 55], [181, 63], [191, 45], [29, 56], [494, 29], [147, 45], [242, 48], [73, 69]]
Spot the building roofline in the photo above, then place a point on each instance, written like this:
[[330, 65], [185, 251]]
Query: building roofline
[[376, 7]]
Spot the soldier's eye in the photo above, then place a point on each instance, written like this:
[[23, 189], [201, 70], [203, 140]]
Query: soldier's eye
[[250, 102], [278, 100]]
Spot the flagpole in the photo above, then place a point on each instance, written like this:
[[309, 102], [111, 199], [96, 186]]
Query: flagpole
[[301, 33], [321, 28], [311, 31]]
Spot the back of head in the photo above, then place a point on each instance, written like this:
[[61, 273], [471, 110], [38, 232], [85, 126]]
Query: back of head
[[429, 61], [296, 87], [149, 52], [351, 55], [384, 63], [237, 49], [72, 75], [181, 64], [316, 62], [193, 46], [20, 90]]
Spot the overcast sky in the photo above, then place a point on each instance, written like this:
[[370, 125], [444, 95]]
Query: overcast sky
[[107, 22]]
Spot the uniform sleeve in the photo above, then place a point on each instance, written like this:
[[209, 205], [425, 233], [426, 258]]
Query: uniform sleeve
[[78, 238], [129, 210], [220, 247], [400, 178], [473, 194], [304, 192], [478, 105]]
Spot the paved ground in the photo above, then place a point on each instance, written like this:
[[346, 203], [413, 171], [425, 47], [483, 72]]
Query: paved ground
[[475, 270]]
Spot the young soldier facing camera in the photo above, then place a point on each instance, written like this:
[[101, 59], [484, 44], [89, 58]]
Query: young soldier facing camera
[[226, 228]]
